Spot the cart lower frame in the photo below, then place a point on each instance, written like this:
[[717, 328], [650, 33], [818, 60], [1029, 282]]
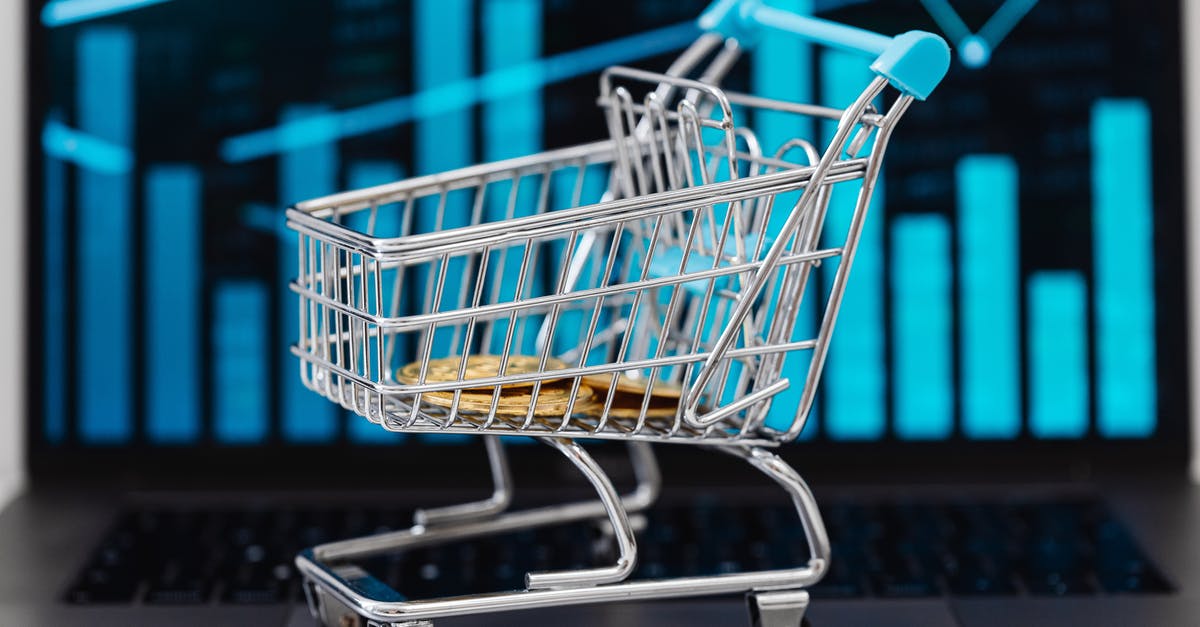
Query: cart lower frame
[[341, 594]]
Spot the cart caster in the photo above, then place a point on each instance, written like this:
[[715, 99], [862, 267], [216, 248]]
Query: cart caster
[[783, 608]]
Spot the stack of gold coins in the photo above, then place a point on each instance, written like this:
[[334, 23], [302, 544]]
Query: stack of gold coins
[[515, 399], [629, 394]]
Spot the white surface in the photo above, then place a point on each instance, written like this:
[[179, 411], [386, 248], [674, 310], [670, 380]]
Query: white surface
[[12, 180], [1191, 72]]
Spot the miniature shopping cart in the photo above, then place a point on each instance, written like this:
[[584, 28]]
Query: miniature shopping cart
[[649, 285]]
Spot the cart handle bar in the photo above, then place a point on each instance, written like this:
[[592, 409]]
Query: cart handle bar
[[913, 62]]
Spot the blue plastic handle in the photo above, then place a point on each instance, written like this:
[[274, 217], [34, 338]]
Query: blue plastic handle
[[913, 62]]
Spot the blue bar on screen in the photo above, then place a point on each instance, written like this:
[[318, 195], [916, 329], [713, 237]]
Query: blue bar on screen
[[304, 173], [240, 349], [781, 69], [512, 40], [104, 58], [360, 174], [444, 32], [173, 253], [989, 296], [922, 329], [54, 318], [1123, 245], [855, 379], [1058, 354]]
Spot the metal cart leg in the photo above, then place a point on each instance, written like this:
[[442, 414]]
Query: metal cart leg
[[499, 501], [622, 531], [785, 608]]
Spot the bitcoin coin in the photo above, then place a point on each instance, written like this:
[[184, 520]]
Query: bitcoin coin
[[477, 367], [553, 399], [629, 385], [629, 406]]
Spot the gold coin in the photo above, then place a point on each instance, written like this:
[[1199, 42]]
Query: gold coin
[[629, 385], [553, 399], [477, 367], [629, 406]]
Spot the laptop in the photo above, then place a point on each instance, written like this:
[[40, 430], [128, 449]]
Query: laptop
[[1007, 443]]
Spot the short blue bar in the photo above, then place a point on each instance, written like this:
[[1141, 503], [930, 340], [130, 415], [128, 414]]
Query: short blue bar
[[173, 229], [105, 75], [239, 352], [1123, 245], [54, 318], [922, 333], [922, 329], [855, 379], [304, 173], [360, 174], [1058, 354], [989, 295]]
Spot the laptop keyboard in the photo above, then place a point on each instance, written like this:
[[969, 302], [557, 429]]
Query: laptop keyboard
[[175, 556]]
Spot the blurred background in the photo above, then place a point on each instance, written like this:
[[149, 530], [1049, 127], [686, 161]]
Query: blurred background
[[997, 295]]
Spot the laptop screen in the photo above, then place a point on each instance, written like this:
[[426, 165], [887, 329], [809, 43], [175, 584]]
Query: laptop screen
[[1020, 277]]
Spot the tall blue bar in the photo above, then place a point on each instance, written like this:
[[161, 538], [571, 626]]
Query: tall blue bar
[[781, 69], [922, 330], [855, 379], [173, 228], [512, 42], [443, 33], [304, 173], [443, 53], [239, 357], [1123, 245], [1058, 354], [989, 295], [54, 317], [512, 38], [360, 174], [105, 102]]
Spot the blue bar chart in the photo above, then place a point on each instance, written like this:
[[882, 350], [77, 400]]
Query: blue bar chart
[[1005, 285]]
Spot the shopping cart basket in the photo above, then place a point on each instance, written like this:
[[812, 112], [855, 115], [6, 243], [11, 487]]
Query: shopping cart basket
[[643, 288]]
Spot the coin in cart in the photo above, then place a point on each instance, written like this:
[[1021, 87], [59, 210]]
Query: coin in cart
[[477, 367]]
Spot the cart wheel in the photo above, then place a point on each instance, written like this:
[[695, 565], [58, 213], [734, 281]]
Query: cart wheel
[[783, 608]]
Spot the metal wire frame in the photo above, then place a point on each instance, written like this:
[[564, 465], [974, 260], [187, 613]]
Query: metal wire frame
[[352, 282]]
